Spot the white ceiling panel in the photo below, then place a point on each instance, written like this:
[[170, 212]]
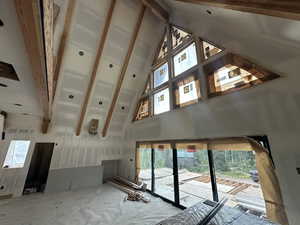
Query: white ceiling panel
[[13, 51], [80, 64]]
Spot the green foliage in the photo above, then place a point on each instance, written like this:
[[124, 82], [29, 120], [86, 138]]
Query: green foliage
[[236, 164]]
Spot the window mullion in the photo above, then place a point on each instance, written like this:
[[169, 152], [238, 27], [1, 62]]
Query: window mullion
[[152, 170], [213, 176], [171, 69], [200, 72]]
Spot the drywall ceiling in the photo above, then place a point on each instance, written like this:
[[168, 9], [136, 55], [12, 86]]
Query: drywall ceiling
[[86, 29], [236, 29], [13, 51]]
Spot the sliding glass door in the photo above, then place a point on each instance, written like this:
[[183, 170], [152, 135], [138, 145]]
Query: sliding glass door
[[193, 173], [163, 171], [186, 173]]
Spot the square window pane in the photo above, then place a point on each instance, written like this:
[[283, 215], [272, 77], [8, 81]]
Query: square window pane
[[187, 92], [16, 154], [185, 59], [161, 75], [162, 101]]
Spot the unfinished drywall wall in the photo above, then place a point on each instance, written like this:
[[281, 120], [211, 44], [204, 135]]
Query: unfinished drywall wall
[[76, 161], [272, 108], [74, 178]]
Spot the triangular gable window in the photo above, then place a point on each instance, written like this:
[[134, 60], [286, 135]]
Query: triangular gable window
[[143, 110], [163, 49], [179, 36], [232, 72], [209, 49], [147, 88]]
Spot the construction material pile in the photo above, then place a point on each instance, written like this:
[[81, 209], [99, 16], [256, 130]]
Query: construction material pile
[[134, 191]]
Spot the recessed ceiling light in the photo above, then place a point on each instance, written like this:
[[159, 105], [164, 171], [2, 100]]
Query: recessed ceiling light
[[71, 96], [17, 104], [209, 12], [123, 107], [133, 75], [81, 53], [111, 65], [3, 85], [100, 103], [1, 23]]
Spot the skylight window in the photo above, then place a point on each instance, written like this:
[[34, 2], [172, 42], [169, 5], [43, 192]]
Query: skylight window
[[161, 75], [16, 154], [185, 59], [162, 101]]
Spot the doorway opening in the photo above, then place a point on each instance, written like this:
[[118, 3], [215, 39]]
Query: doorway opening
[[39, 168]]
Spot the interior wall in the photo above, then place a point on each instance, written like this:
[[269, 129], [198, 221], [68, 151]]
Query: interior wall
[[73, 157], [270, 109]]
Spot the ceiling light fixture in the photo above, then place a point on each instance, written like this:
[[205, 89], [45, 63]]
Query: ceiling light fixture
[[111, 65], [71, 96], [81, 53]]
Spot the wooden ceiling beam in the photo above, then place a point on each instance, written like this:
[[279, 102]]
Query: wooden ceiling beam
[[28, 12], [48, 38], [124, 69], [63, 42], [289, 9], [157, 10], [96, 65]]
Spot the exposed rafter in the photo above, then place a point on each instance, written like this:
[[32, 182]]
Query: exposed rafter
[[28, 12], [63, 42], [157, 10], [124, 69], [96, 65], [289, 9], [48, 37]]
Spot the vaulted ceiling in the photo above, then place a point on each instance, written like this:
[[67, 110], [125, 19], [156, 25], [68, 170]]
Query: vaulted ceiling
[[86, 30], [85, 89], [19, 96]]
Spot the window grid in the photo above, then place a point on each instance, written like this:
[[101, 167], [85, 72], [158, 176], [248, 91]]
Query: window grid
[[172, 81], [198, 71]]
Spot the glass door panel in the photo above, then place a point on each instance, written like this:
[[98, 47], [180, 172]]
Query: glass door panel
[[237, 179], [193, 173], [144, 165], [163, 171]]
